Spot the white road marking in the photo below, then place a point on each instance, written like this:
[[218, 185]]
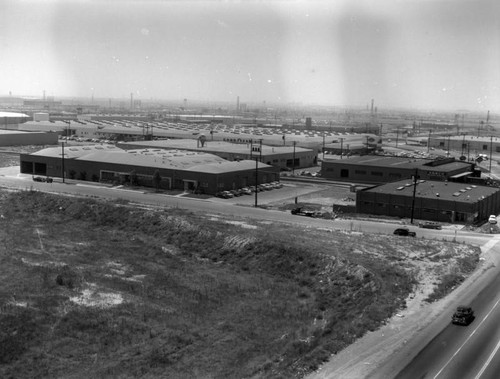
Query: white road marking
[[488, 361], [467, 340]]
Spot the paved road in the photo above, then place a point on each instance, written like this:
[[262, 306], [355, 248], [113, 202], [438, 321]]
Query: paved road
[[239, 207], [465, 351]]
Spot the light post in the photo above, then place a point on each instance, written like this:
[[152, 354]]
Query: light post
[[293, 164], [341, 147]]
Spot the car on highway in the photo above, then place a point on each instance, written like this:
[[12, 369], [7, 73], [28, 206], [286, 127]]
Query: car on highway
[[463, 315], [430, 225], [404, 232], [492, 219]]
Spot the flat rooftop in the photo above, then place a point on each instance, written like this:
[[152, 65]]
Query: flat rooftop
[[400, 162], [213, 146], [158, 158], [436, 189]]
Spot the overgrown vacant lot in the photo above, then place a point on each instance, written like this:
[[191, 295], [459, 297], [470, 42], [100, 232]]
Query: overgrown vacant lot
[[98, 289]]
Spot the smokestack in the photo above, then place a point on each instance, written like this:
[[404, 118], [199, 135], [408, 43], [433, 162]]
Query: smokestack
[[237, 104], [131, 100], [372, 107], [43, 95]]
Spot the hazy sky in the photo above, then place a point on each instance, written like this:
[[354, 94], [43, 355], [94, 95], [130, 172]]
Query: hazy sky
[[409, 53]]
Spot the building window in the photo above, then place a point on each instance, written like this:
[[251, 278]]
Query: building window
[[377, 173], [441, 144], [394, 176], [360, 172], [485, 147]]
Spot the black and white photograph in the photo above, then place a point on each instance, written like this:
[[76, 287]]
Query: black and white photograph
[[226, 189]]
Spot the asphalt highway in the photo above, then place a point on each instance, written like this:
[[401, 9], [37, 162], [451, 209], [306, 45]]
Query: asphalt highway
[[464, 351]]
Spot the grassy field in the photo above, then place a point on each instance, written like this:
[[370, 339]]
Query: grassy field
[[103, 289]]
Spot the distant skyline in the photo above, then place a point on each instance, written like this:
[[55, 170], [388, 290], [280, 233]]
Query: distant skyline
[[421, 54]]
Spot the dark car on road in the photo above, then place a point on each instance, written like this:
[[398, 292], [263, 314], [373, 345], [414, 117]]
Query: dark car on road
[[404, 232], [464, 315]]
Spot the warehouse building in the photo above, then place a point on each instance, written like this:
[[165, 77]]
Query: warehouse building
[[19, 138], [430, 200], [381, 169], [469, 146], [180, 170], [282, 157], [11, 120]]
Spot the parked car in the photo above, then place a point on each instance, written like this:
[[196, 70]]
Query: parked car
[[246, 191], [235, 192], [430, 225], [405, 232], [464, 315], [225, 194], [42, 179], [492, 219]]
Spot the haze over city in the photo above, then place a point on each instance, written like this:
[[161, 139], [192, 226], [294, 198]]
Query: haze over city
[[411, 54]]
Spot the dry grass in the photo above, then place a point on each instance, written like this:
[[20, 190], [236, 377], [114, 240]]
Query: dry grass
[[99, 289]]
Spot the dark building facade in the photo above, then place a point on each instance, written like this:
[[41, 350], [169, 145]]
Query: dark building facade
[[433, 200], [186, 171], [380, 169]]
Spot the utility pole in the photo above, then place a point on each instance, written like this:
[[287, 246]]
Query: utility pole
[[429, 141], [397, 136], [415, 178], [448, 152], [491, 150], [323, 145], [62, 165], [341, 147], [293, 166], [256, 179]]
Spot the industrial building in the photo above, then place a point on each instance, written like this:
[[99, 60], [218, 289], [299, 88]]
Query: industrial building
[[178, 170], [430, 200], [381, 169], [469, 146], [19, 138], [283, 157], [10, 135]]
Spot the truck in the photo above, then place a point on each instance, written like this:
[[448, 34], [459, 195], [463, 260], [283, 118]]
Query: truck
[[299, 211]]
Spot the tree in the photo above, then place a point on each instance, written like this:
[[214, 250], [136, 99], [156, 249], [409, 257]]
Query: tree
[[157, 180]]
